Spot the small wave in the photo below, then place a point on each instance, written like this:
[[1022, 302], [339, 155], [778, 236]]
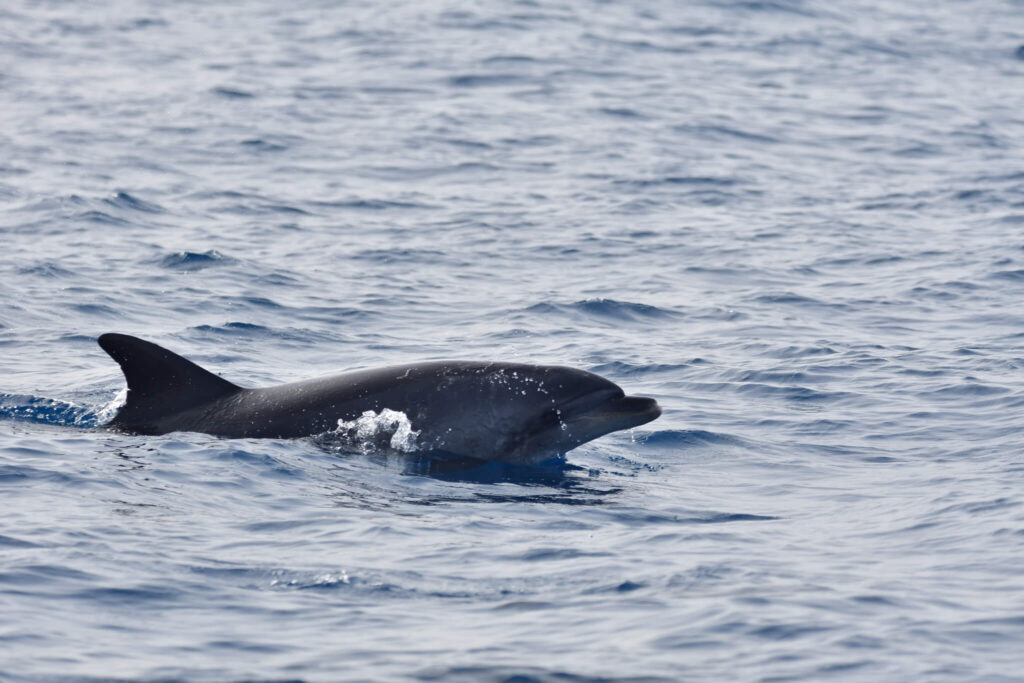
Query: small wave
[[261, 209], [233, 93], [123, 200], [623, 369], [792, 299], [371, 205], [484, 80], [400, 255], [261, 145], [510, 59], [687, 437], [792, 393], [1012, 275], [11, 542], [643, 517], [621, 112], [692, 181], [608, 309], [523, 673], [234, 328], [190, 261], [47, 269], [102, 218], [724, 134]]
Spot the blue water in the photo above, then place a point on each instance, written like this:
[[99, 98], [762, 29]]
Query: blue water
[[799, 225]]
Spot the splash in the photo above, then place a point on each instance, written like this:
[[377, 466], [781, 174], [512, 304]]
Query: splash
[[107, 412], [376, 432]]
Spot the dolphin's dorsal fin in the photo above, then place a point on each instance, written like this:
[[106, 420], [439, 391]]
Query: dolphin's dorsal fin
[[160, 383]]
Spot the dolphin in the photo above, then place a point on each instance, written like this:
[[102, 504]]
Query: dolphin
[[509, 412]]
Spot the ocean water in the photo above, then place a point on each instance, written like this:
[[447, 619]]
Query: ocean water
[[797, 224]]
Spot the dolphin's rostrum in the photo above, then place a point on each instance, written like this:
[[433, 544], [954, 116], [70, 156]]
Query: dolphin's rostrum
[[510, 412]]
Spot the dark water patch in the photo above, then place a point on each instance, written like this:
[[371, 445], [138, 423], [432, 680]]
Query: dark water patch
[[371, 205], [581, 497], [694, 31], [522, 674], [191, 261], [722, 133], [699, 182], [524, 606], [975, 508], [880, 600], [787, 632], [639, 517], [968, 389], [140, 596], [47, 269], [556, 473], [123, 200], [798, 7], [406, 173], [13, 543], [141, 24], [638, 45], [393, 90], [485, 80], [688, 438], [326, 92], [793, 299], [261, 208], [49, 411], [246, 647], [510, 59], [262, 145], [1009, 275], [466, 143], [233, 93], [532, 141], [6, 170], [399, 255], [271, 280]]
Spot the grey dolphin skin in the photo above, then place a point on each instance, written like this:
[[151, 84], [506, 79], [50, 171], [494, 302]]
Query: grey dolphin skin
[[508, 412]]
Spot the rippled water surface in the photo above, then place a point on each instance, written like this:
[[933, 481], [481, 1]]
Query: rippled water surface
[[799, 225]]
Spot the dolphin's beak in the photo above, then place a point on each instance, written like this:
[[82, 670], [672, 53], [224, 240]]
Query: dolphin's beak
[[608, 410], [621, 412]]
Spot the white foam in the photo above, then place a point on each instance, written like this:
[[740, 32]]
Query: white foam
[[372, 431], [107, 412]]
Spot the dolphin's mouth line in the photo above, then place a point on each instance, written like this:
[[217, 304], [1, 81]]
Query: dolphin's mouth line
[[581, 405], [609, 405]]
